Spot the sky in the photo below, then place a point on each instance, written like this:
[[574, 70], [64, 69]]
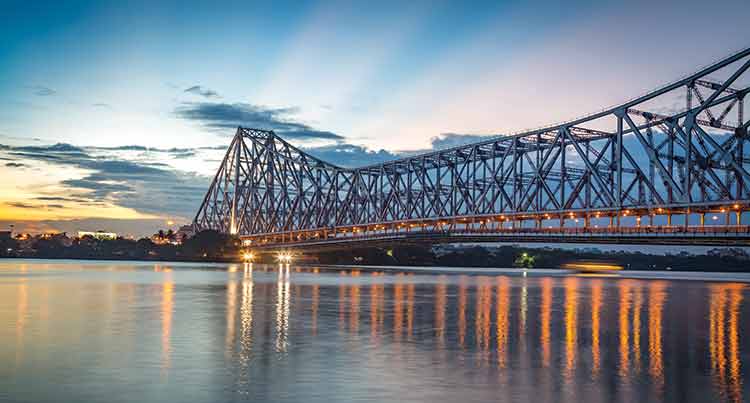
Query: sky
[[114, 115]]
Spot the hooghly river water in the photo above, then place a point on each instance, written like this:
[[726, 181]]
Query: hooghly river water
[[73, 331]]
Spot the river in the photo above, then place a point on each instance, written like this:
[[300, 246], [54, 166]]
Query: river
[[92, 331]]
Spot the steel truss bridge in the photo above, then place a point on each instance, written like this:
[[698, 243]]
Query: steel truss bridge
[[632, 173]]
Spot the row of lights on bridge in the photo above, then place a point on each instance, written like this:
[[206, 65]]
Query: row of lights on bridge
[[502, 218]]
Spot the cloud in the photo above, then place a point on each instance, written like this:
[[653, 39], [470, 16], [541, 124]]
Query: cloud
[[20, 205], [223, 116], [449, 140], [102, 105], [202, 91], [147, 187], [23, 205], [350, 155], [60, 199], [43, 91]]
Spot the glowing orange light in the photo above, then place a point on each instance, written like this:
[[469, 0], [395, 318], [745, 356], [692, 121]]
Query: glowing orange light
[[284, 257], [591, 267]]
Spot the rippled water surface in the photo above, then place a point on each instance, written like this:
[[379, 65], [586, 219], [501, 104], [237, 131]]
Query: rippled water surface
[[125, 332]]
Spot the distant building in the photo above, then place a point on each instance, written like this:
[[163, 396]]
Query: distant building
[[164, 238], [100, 235]]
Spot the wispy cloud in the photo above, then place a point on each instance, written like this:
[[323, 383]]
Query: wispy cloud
[[202, 91], [223, 116], [350, 155], [448, 140], [20, 205], [42, 91], [23, 205]]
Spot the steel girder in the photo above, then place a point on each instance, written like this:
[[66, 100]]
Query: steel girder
[[621, 158]]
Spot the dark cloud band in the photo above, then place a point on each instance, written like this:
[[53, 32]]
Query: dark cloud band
[[225, 116]]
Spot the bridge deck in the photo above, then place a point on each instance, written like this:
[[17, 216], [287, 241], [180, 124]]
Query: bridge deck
[[737, 235]]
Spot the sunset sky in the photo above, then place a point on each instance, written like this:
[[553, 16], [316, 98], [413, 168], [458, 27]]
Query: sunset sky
[[113, 115]]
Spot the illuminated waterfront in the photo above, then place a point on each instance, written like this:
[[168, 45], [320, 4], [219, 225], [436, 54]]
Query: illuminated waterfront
[[125, 331]]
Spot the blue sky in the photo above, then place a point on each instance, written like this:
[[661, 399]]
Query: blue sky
[[146, 94]]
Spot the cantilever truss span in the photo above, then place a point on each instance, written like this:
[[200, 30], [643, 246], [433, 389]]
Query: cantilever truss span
[[600, 174]]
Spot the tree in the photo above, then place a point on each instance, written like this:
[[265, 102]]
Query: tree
[[524, 260], [8, 246], [212, 245]]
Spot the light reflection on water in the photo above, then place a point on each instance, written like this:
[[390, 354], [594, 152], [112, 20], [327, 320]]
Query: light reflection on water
[[88, 331]]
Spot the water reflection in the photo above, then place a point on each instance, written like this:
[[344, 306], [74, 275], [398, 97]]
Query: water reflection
[[314, 308], [596, 306], [22, 309], [656, 298], [246, 312], [462, 296], [624, 326], [546, 316], [482, 321], [398, 308], [377, 300], [571, 324], [167, 305], [282, 308], [441, 300], [502, 308], [637, 302], [354, 306], [725, 300], [269, 334]]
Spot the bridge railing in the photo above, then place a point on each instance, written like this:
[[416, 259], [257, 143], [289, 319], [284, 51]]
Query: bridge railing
[[719, 231]]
